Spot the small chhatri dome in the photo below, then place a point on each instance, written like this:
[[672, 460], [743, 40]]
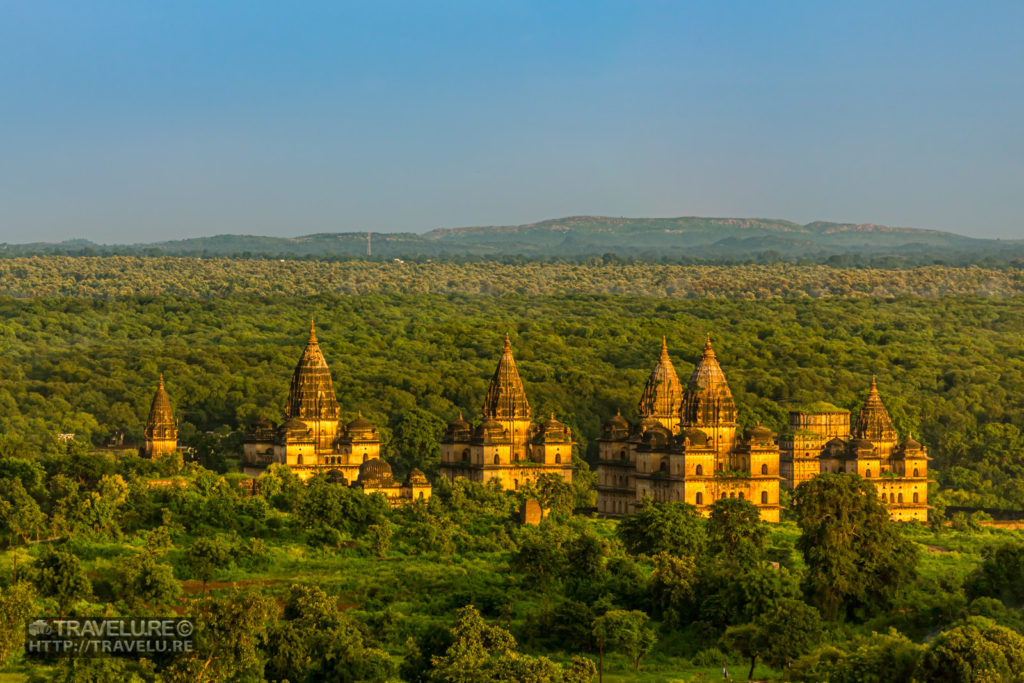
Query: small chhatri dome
[[261, 429], [457, 431], [759, 435], [657, 436], [695, 438], [506, 398], [834, 448], [861, 448], [616, 428], [552, 431], [911, 444], [491, 431], [662, 392], [160, 425], [708, 400], [873, 421], [375, 472], [311, 394], [360, 426], [417, 478]]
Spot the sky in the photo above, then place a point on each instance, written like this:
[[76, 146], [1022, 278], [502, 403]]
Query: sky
[[127, 121]]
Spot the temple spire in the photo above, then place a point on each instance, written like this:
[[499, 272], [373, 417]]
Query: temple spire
[[506, 398], [161, 380], [873, 421], [661, 393], [311, 394], [707, 399]]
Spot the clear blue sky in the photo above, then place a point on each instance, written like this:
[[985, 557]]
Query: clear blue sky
[[139, 121]]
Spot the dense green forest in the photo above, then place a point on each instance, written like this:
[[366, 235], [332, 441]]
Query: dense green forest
[[120, 276], [950, 369], [321, 582]]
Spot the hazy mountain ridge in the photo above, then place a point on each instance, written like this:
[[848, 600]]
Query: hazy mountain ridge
[[579, 237]]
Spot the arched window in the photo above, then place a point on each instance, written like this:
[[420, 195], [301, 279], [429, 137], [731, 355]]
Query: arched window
[[465, 455], [664, 466], [700, 497], [915, 473], [558, 459], [700, 472], [900, 497], [741, 495], [764, 469], [515, 484], [497, 459], [723, 494], [764, 497], [892, 497], [867, 474], [622, 455], [300, 458], [421, 495], [915, 497]]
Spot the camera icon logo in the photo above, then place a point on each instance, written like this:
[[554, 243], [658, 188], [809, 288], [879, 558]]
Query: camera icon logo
[[39, 627]]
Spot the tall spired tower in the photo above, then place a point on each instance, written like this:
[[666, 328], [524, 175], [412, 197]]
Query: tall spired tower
[[661, 395], [506, 404], [311, 398], [874, 423], [708, 404], [506, 447], [161, 429]]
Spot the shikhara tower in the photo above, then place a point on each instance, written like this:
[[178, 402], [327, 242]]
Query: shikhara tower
[[685, 446], [507, 446], [161, 430], [313, 440]]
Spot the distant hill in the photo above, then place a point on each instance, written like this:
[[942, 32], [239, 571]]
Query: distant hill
[[575, 237]]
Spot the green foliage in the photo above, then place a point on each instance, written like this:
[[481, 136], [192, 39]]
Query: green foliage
[[1001, 574], [554, 494], [673, 528], [317, 642], [144, 582], [380, 537], [415, 441], [17, 609], [229, 633], [205, 557], [323, 503], [20, 515], [59, 575], [626, 631], [878, 658], [855, 556], [978, 651], [736, 535], [480, 652], [672, 586]]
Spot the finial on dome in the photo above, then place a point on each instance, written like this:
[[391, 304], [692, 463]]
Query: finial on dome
[[618, 412], [508, 342], [874, 387], [359, 413], [161, 380], [707, 343], [460, 413], [664, 348], [312, 332]]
